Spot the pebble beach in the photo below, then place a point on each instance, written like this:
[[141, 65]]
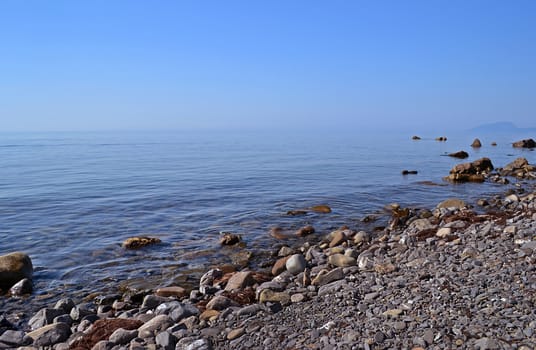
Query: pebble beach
[[459, 275]]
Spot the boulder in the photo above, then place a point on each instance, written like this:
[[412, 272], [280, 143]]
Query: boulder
[[459, 154], [409, 172], [13, 268], [441, 138], [528, 143], [476, 143], [415, 137]]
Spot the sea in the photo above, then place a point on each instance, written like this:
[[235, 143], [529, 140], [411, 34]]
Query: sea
[[69, 199]]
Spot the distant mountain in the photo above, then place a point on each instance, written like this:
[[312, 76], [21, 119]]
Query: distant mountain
[[500, 127]]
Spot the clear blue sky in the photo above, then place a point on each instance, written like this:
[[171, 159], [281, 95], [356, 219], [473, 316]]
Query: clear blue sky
[[93, 65]]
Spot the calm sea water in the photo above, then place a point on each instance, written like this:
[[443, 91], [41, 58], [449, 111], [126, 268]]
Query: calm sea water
[[70, 199]]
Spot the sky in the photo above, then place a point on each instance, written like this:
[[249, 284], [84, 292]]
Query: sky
[[353, 65]]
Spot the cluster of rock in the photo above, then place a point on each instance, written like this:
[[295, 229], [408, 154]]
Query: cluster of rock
[[475, 171], [481, 169], [442, 278]]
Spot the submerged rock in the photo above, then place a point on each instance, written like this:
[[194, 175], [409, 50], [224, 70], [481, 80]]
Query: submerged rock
[[459, 154], [324, 209], [139, 242], [305, 231], [13, 268], [452, 203]]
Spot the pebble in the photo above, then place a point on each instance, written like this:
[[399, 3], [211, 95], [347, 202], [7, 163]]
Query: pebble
[[295, 264], [342, 260], [236, 333]]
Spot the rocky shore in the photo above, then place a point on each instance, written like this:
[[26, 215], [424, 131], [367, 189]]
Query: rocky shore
[[460, 275]]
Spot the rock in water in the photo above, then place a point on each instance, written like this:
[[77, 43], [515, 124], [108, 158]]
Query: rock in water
[[459, 154], [528, 143], [476, 143], [325, 209], [415, 137], [305, 231], [22, 287], [139, 242], [409, 172], [452, 203], [13, 268], [228, 238]]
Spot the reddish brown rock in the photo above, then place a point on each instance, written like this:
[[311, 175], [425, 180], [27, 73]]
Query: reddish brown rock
[[471, 172], [102, 329], [305, 231], [240, 280], [280, 265]]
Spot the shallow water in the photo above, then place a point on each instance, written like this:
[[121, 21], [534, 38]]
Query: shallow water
[[70, 199]]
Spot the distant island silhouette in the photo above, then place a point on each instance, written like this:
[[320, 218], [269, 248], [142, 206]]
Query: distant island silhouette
[[500, 127]]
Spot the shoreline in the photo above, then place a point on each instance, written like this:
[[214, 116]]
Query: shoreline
[[253, 314]]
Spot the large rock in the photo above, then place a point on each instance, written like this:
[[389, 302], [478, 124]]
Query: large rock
[[13, 268], [476, 143], [528, 143], [471, 172]]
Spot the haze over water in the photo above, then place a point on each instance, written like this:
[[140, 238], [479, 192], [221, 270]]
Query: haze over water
[[70, 199]]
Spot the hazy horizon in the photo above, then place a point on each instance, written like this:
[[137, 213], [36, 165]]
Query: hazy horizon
[[413, 66]]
